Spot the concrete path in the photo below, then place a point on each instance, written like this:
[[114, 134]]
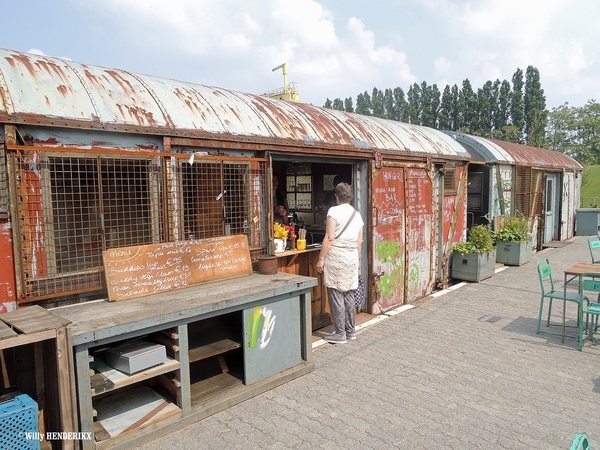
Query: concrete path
[[462, 370]]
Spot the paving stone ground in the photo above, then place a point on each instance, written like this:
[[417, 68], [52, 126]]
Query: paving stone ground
[[465, 370]]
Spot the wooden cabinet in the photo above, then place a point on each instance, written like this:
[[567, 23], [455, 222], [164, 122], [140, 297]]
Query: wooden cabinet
[[305, 263], [124, 402], [226, 342], [34, 356]]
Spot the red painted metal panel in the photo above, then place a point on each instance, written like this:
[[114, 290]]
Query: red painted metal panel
[[389, 258], [8, 293], [419, 227]]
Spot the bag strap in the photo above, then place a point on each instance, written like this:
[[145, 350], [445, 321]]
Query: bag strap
[[346, 226]]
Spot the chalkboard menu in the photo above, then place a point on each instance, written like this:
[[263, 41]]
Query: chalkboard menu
[[149, 269]]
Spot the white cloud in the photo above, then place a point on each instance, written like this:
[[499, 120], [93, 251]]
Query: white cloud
[[442, 65], [36, 51], [252, 37]]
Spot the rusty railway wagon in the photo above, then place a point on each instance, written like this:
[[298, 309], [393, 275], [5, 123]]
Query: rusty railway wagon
[[94, 158]]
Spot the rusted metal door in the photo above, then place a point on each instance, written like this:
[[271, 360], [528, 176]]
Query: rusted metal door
[[8, 294], [419, 232], [389, 231]]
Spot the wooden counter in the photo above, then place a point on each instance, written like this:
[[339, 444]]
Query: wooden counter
[[304, 262], [226, 341]]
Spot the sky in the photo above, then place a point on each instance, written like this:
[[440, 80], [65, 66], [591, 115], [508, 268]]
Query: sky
[[332, 48]]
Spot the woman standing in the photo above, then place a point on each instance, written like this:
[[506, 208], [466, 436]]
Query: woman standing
[[339, 261]]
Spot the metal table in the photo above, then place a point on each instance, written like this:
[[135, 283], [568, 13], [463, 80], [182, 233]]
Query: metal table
[[573, 272]]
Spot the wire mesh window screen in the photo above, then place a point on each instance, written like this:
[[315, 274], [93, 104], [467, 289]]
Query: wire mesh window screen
[[475, 191], [524, 190], [71, 208], [224, 198], [450, 182]]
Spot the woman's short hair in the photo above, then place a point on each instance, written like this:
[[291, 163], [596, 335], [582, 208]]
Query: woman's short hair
[[344, 193]]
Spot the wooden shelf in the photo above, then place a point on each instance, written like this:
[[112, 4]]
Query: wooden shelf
[[133, 409], [204, 389], [212, 349], [108, 379]]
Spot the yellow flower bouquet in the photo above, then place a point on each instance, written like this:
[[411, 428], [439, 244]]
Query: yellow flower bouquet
[[280, 231]]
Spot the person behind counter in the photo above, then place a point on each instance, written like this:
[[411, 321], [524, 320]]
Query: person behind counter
[[339, 262], [280, 204], [330, 195]]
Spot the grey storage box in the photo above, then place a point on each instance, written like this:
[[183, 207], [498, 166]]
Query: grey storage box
[[473, 267], [587, 222], [135, 356]]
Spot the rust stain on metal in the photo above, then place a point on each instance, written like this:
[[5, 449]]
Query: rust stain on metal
[[62, 89], [90, 76], [527, 155], [125, 84], [26, 62], [50, 67]]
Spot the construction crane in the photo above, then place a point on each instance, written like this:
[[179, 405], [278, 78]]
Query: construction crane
[[289, 92]]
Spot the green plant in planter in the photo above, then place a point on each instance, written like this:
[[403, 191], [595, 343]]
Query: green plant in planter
[[480, 240], [515, 229]]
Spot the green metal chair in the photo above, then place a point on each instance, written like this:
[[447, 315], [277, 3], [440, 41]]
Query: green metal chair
[[594, 244], [589, 283], [580, 442], [549, 292]]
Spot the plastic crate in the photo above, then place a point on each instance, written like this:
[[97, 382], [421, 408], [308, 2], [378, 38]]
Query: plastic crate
[[19, 428]]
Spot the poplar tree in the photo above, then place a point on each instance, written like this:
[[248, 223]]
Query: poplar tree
[[401, 105], [363, 104], [535, 113], [430, 104], [414, 104], [468, 107], [377, 103], [516, 105], [455, 115], [444, 121], [503, 112], [338, 104], [348, 107], [484, 107], [388, 105]]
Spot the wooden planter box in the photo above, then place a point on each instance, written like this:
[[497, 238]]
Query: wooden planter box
[[473, 267], [514, 253]]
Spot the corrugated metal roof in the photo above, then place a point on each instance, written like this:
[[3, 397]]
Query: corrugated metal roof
[[534, 156], [495, 151], [40, 89]]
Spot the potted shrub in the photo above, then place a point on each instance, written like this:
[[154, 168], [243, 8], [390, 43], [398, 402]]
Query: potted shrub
[[475, 259], [514, 242]]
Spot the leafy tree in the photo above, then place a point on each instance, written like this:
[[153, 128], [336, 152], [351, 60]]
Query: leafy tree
[[401, 105], [377, 103], [388, 105], [430, 101], [516, 105], [328, 103], [338, 104], [348, 107], [534, 108], [468, 107], [455, 116], [484, 107], [575, 131], [363, 104], [503, 112], [444, 117], [414, 104], [588, 133]]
